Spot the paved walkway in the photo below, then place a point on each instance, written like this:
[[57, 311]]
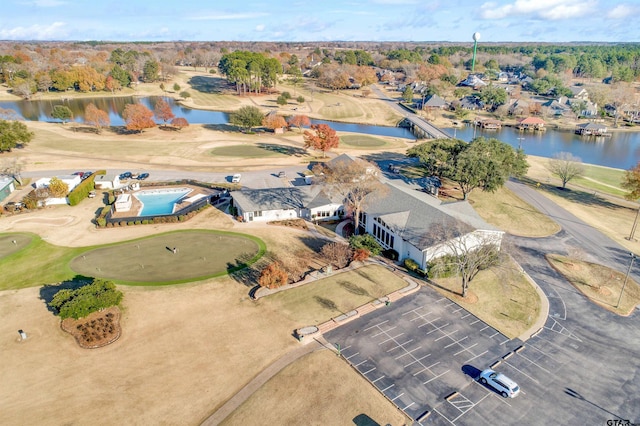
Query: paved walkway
[[263, 377]]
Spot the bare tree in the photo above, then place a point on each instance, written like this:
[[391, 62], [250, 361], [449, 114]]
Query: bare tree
[[12, 167], [460, 250], [356, 180], [337, 254], [566, 167]]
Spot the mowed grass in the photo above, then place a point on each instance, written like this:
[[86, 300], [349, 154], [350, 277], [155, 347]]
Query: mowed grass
[[13, 243], [147, 261], [600, 284], [500, 296], [37, 263], [353, 400], [199, 254], [507, 211], [361, 141], [252, 151], [332, 296]]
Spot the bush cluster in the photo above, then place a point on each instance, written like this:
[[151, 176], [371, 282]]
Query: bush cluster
[[413, 266], [81, 191], [100, 294], [366, 241]]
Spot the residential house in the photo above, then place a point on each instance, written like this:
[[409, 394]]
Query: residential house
[[71, 180], [434, 102], [579, 92], [557, 107], [591, 129], [519, 107], [273, 204], [471, 103], [473, 80]]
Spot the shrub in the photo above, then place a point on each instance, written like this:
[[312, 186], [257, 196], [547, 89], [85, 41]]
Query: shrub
[[300, 99], [443, 267], [131, 223], [366, 241], [145, 222], [390, 254], [273, 276], [112, 198], [101, 221], [411, 265], [360, 254], [123, 223], [100, 294], [138, 222], [337, 254], [81, 191], [286, 95]]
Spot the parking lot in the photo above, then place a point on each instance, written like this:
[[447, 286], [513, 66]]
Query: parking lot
[[420, 350]]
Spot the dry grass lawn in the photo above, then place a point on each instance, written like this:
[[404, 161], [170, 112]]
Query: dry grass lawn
[[500, 296], [285, 399], [600, 284]]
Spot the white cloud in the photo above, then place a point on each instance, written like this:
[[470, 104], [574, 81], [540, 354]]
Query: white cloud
[[227, 16], [396, 2], [538, 9], [260, 27], [55, 31], [622, 11]]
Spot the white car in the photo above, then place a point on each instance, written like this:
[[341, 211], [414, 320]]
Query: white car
[[504, 385], [236, 178]]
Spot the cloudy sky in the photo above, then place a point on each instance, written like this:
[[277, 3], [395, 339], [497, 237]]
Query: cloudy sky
[[322, 20]]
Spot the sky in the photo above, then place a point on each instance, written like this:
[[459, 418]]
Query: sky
[[322, 20]]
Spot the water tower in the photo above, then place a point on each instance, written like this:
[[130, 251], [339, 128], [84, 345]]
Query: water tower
[[476, 37]]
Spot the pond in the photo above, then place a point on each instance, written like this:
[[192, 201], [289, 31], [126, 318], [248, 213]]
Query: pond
[[621, 150]]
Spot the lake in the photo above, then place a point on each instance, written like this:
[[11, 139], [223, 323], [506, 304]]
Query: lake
[[621, 150]]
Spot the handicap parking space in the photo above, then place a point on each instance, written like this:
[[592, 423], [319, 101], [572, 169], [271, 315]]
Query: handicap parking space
[[414, 350]]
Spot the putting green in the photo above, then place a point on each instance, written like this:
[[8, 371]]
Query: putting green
[[12, 243], [199, 254]]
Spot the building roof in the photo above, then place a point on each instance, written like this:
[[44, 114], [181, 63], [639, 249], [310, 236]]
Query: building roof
[[531, 120], [434, 101], [592, 126], [290, 198], [412, 215]]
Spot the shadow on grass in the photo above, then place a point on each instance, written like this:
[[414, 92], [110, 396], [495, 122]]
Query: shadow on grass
[[364, 420], [222, 127], [48, 291], [573, 195], [282, 149], [206, 84]]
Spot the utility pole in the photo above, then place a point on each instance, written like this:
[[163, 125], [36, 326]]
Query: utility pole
[[626, 278]]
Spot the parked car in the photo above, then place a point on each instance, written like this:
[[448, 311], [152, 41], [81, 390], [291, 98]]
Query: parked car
[[81, 174], [134, 176], [236, 178], [92, 194], [143, 176], [282, 174], [125, 175], [86, 175], [501, 383]]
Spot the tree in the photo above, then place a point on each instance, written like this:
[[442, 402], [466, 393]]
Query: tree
[[299, 121], [185, 94], [273, 276], [138, 117], [467, 252], [281, 100], [13, 134], [176, 87], [356, 181], [407, 94], [57, 188], [566, 167], [163, 112], [179, 122], [631, 182], [247, 117], [494, 96], [100, 294], [62, 112], [337, 254], [324, 138], [96, 117], [150, 71], [437, 155], [300, 99], [162, 87], [273, 121]]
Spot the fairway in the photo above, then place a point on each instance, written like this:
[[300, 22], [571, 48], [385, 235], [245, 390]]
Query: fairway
[[362, 141], [198, 255], [250, 151]]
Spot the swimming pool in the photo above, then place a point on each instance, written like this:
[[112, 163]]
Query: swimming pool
[[156, 202]]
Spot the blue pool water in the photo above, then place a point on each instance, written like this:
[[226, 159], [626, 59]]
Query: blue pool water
[[157, 202]]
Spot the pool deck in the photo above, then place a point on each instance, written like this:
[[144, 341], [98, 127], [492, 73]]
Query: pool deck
[[136, 205]]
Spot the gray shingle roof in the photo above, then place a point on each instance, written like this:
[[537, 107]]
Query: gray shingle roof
[[297, 197]]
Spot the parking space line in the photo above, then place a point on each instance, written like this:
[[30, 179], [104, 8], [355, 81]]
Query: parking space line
[[400, 345], [505, 342], [377, 325], [414, 311], [446, 335], [479, 355], [408, 406], [456, 342], [383, 332], [408, 352], [397, 396], [368, 371], [464, 316], [473, 405], [436, 377], [430, 322], [426, 368], [457, 310], [443, 416], [484, 328], [522, 372], [346, 347], [416, 360], [390, 338], [381, 377], [494, 334], [351, 356], [465, 349], [360, 363], [441, 299], [477, 320], [534, 363], [388, 387]]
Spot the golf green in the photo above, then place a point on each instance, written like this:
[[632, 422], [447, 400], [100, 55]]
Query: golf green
[[170, 258]]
